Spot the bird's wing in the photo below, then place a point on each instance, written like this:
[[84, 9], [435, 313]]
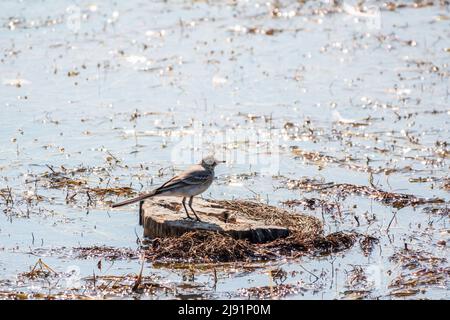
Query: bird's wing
[[193, 176], [168, 182]]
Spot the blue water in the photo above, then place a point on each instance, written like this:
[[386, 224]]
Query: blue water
[[201, 83]]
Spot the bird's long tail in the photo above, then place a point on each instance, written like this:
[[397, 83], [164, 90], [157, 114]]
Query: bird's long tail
[[133, 200]]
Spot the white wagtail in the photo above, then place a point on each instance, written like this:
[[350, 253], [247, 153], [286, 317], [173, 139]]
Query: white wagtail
[[189, 183]]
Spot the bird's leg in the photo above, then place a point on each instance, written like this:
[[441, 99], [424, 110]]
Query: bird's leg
[[190, 206], [185, 209], [141, 218]]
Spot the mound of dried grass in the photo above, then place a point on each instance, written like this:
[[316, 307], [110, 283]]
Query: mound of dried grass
[[317, 244], [306, 236], [272, 215], [204, 247], [210, 247]]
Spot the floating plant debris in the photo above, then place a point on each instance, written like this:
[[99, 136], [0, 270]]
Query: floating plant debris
[[39, 270], [126, 285], [367, 243], [396, 200], [93, 287], [108, 253], [356, 277], [17, 295], [22, 204], [419, 269], [70, 180], [271, 292], [438, 210], [313, 203], [356, 294], [446, 185]]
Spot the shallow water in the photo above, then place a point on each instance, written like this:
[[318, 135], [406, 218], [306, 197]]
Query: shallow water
[[156, 85]]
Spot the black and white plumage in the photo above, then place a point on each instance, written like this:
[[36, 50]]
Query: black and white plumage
[[189, 183]]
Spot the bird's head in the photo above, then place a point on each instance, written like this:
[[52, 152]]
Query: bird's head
[[210, 162]]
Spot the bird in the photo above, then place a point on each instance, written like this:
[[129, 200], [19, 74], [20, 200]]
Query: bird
[[190, 183]]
